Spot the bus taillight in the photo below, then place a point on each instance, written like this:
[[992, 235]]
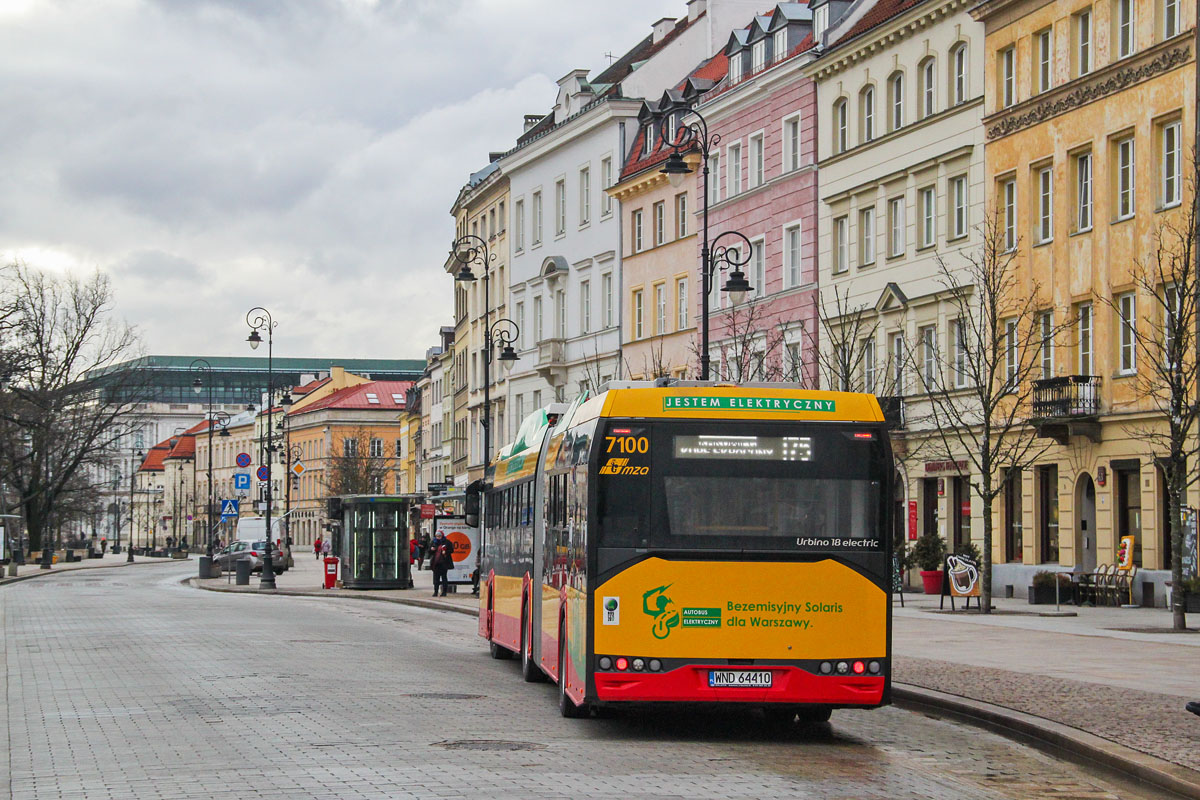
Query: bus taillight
[[622, 663]]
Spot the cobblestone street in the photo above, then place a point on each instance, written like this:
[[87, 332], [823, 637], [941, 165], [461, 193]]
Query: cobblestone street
[[126, 684]]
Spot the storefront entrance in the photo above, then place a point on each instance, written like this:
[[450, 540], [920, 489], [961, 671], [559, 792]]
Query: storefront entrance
[[1085, 523]]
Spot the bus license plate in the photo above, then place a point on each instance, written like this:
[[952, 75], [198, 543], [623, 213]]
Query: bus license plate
[[758, 678]]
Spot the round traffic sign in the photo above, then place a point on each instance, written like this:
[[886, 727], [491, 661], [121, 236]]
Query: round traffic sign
[[243, 460], [263, 472]]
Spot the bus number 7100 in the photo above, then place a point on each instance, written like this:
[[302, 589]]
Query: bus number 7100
[[627, 445]]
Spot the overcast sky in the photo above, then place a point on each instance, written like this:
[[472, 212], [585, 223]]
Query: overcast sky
[[297, 154]]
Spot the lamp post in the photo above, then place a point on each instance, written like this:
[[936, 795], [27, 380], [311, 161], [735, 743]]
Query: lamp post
[[135, 457], [471, 249], [291, 453], [712, 254], [258, 318], [214, 418]]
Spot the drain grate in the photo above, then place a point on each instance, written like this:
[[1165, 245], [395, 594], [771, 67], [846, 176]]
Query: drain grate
[[488, 744], [444, 696]]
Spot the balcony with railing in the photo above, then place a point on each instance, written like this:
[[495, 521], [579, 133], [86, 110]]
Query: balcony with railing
[[552, 360], [1066, 406]]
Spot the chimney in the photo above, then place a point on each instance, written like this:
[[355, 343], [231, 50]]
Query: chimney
[[696, 8], [662, 28], [337, 376], [531, 120]]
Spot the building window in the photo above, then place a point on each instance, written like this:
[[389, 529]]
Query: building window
[[376, 448], [735, 67], [537, 318], [714, 179], [820, 22], [791, 144], [1044, 51], [1008, 76], [560, 208], [349, 448], [839, 245], [648, 140], [958, 60], [1171, 164], [756, 161], [638, 311], [929, 357], [606, 287], [537, 218], [868, 362], [1125, 178], [660, 308], [866, 236], [681, 304], [958, 211], [585, 306], [781, 48], [868, 114], [758, 267], [897, 355], [1011, 361], [1083, 42], [1171, 309], [1046, 328], [605, 183], [928, 88], [733, 170], [519, 224], [1048, 512], [1083, 191], [1083, 324], [928, 217], [1170, 18], [660, 222], [896, 101], [637, 231], [1125, 28], [792, 254], [1013, 516], [520, 326], [896, 226], [1045, 225], [839, 126], [560, 312], [585, 196], [1008, 201], [959, 333], [681, 215], [758, 55], [1127, 306]]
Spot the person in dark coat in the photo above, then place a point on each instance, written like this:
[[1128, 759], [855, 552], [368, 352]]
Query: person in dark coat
[[441, 560]]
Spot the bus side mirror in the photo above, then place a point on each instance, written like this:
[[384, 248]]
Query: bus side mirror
[[471, 505]]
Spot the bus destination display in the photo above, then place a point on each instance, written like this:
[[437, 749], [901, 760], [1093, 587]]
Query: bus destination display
[[744, 448]]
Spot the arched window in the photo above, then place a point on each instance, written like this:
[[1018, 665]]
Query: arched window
[[840, 123], [896, 101], [867, 115], [958, 73], [928, 87]]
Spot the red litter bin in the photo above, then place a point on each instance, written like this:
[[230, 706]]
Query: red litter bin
[[331, 565]]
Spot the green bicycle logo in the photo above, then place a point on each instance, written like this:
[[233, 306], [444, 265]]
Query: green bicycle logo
[[655, 603]]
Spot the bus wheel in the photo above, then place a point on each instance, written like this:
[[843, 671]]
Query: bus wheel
[[499, 653], [566, 706], [529, 670]]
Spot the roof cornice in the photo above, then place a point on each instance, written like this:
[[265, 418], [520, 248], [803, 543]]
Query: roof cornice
[[586, 119]]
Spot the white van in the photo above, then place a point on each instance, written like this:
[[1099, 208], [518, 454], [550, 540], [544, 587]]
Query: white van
[[251, 529]]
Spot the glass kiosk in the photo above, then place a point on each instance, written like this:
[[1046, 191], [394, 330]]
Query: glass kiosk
[[374, 542]]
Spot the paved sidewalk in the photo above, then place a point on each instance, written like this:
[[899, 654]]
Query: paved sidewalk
[[31, 569], [1114, 673]]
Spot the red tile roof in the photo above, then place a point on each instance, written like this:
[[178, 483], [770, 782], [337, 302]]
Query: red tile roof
[[153, 462], [356, 397], [880, 13], [310, 386], [184, 447]]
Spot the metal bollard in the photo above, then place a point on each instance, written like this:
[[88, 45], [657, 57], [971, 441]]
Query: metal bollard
[[242, 567]]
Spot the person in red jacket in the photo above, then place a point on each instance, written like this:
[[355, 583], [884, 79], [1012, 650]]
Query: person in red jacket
[[412, 552], [317, 548]]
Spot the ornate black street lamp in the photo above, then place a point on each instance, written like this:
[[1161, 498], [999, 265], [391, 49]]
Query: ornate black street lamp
[[215, 419], [258, 318], [291, 454], [135, 457], [501, 334], [713, 256]]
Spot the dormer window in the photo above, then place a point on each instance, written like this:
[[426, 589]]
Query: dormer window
[[820, 21], [648, 140], [759, 53], [735, 68], [781, 47]]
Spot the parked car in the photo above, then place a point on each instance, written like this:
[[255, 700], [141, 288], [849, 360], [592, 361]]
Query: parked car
[[252, 550]]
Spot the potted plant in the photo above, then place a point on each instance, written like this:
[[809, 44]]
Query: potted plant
[[928, 554], [1191, 595], [1042, 590]]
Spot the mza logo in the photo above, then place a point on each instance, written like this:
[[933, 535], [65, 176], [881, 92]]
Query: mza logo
[[621, 466]]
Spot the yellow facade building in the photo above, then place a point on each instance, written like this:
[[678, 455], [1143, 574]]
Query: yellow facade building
[[1089, 128]]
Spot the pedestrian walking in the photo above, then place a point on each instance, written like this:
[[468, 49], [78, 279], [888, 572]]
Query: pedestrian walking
[[317, 548], [424, 554], [441, 561], [326, 547], [413, 547]]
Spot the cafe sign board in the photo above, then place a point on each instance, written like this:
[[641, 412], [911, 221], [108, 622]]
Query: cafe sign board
[[935, 467]]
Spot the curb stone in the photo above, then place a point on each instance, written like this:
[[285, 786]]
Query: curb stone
[[1054, 738], [42, 573]]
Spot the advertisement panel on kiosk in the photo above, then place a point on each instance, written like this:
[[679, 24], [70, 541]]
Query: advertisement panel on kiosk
[[466, 545]]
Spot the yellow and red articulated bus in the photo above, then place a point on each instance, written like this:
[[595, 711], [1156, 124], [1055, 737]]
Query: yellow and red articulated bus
[[695, 543]]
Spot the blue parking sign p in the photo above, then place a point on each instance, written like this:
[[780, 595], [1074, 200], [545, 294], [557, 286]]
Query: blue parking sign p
[[241, 481]]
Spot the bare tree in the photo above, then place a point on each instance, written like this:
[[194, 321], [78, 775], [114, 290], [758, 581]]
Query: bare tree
[[748, 345], [980, 392], [1167, 279], [64, 408], [839, 342], [357, 470]]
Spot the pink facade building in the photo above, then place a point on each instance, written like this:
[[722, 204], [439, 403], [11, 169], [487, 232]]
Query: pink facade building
[[763, 184]]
